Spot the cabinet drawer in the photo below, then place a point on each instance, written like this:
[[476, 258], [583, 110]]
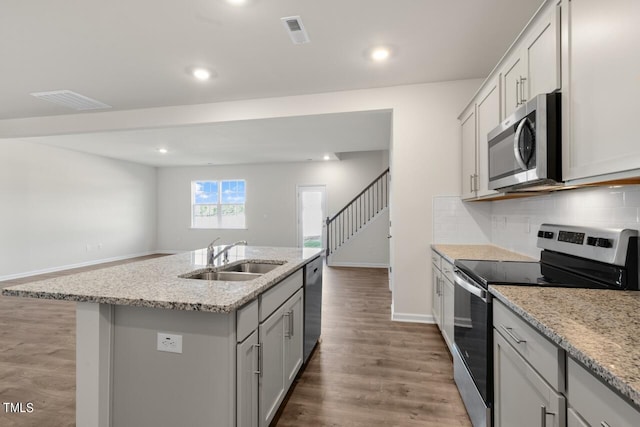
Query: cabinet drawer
[[595, 402], [545, 357], [246, 320], [276, 296], [447, 270], [435, 259]]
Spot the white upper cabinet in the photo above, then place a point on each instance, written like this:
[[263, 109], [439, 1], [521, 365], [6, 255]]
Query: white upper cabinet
[[468, 128], [602, 103], [488, 117], [533, 67]]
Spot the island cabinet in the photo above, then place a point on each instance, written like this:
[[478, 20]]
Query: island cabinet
[[528, 374], [271, 356]]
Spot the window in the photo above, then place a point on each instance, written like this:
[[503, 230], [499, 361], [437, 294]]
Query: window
[[218, 204]]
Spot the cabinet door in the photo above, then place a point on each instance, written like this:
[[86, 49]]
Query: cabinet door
[[542, 55], [247, 370], [574, 420], [272, 380], [604, 88], [436, 299], [293, 342], [521, 397], [488, 117], [512, 74], [468, 127], [447, 311]]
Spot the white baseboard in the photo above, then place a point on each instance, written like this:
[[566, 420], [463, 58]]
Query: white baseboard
[[411, 318], [357, 264], [71, 266]]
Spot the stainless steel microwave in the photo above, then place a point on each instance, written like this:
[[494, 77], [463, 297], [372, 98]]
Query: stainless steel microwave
[[524, 150]]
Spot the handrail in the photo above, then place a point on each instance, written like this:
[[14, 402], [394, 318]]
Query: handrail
[[357, 213], [359, 194]]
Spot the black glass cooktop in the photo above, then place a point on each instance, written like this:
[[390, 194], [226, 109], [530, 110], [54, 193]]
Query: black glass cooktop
[[524, 273]]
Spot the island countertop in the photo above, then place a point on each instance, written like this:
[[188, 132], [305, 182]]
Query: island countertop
[[156, 282], [599, 328]]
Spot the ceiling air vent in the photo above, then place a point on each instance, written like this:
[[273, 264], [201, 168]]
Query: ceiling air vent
[[70, 99], [296, 30]]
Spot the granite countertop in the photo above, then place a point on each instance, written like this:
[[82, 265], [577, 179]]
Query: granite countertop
[[155, 283], [599, 328], [478, 252]]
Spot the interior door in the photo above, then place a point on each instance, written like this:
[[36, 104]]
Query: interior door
[[312, 213]]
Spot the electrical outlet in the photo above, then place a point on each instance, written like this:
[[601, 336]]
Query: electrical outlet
[[169, 342]]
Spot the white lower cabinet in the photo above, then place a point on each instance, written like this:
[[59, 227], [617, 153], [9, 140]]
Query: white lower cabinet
[[248, 369], [272, 379], [293, 337], [521, 397], [593, 403], [442, 298], [270, 357], [574, 420]]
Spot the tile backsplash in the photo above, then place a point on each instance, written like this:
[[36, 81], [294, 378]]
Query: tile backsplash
[[513, 223]]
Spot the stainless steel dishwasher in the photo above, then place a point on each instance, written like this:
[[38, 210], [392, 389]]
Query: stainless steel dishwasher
[[312, 305]]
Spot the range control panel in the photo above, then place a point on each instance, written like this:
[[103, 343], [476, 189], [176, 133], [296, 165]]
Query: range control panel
[[601, 244]]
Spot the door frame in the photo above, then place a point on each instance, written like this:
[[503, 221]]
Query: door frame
[[299, 189]]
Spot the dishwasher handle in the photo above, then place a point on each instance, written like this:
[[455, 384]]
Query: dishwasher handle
[[469, 286]]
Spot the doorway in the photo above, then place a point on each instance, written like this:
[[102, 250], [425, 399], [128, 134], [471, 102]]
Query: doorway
[[311, 216]]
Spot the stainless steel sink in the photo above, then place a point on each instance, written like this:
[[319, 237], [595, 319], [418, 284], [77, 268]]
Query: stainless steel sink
[[226, 276], [235, 273], [251, 267]]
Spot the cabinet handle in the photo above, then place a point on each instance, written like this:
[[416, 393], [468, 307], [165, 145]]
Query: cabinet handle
[[543, 416], [522, 98], [471, 183], [291, 318], [476, 181], [517, 92], [512, 335], [259, 353], [604, 424], [287, 332]]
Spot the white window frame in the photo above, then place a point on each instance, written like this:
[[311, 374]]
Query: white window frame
[[219, 205]]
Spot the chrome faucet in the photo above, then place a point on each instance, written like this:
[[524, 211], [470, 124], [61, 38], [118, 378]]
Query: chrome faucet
[[224, 251], [211, 252]]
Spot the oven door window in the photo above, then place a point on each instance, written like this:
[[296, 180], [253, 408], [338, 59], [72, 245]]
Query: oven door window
[[471, 335]]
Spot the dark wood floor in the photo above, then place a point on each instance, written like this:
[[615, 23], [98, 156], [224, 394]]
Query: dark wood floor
[[370, 371], [367, 371]]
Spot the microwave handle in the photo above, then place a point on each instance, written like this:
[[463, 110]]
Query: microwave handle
[[516, 148]]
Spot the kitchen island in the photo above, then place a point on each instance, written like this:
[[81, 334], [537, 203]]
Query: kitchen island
[[231, 346]]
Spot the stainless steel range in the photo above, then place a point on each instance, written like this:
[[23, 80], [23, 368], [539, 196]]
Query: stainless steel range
[[572, 256]]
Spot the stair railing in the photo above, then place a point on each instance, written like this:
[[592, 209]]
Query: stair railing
[[357, 213]]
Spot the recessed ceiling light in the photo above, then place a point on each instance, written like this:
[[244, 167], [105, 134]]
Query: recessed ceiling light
[[163, 150], [201, 73], [237, 2], [327, 157], [380, 54]]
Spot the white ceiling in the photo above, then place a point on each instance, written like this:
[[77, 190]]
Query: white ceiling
[[134, 54], [289, 139]]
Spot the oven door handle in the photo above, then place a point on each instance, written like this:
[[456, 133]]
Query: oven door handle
[[470, 287]]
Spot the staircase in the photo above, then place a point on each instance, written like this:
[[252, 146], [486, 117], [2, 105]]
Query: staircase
[[358, 213]]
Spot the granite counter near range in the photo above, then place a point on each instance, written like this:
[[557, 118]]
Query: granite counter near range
[[156, 283], [478, 252], [598, 328]]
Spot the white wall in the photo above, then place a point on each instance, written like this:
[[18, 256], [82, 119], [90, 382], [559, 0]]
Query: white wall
[[425, 157], [271, 198], [368, 248], [55, 202]]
